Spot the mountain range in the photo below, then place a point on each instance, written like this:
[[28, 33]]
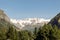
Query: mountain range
[[29, 23]]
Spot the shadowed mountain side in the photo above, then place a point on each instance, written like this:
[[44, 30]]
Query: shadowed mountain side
[[55, 21]]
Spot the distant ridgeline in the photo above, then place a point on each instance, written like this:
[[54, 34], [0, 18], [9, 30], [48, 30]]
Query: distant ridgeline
[[55, 20], [3, 16]]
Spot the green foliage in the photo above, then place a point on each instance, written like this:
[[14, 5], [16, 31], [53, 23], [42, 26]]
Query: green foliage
[[35, 31], [3, 34], [25, 35], [3, 29], [48, 33], [12, 34]]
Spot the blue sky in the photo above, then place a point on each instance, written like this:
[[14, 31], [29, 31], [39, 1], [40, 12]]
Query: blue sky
[[30, 8]]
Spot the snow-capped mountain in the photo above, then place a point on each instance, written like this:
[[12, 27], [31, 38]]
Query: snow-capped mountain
[[29, 23]]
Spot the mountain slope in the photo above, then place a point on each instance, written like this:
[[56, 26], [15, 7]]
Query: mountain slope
[[4, 22], [55, 21], [3, 16]]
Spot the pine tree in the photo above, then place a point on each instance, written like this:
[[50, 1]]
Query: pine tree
[[12, 34]]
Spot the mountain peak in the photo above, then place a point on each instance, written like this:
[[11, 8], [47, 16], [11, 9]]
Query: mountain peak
[[3, 16]]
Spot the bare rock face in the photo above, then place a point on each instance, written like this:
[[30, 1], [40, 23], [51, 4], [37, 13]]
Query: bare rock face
[[3, 16]]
